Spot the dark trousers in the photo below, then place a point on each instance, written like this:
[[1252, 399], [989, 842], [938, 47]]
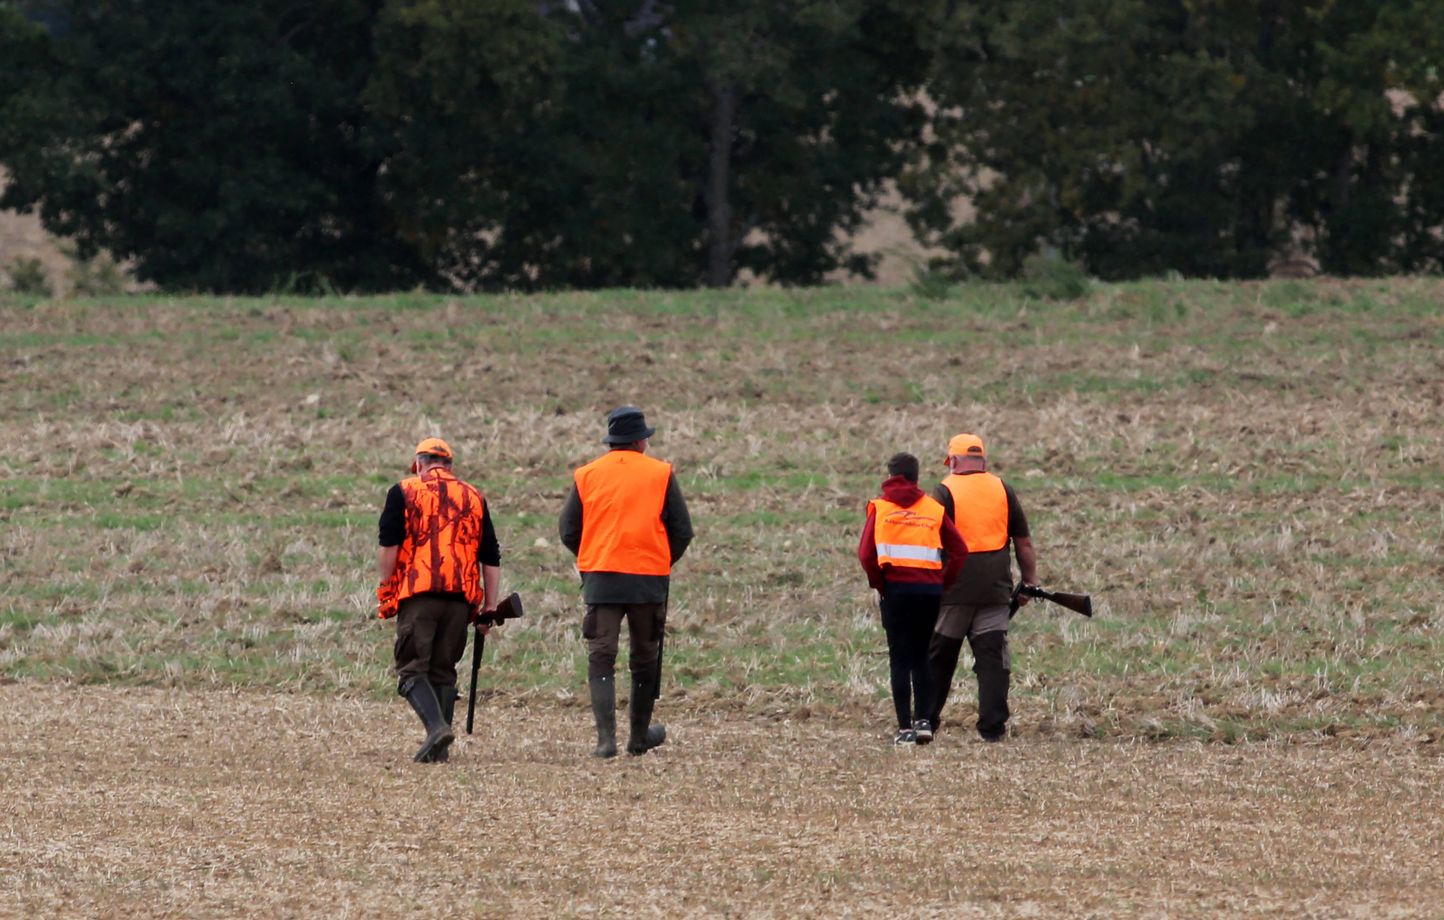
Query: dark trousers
[[986, 628], [430, 638], [602, 628], [908, 620]]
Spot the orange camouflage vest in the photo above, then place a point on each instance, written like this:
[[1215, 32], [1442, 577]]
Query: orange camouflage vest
[[443, 537]]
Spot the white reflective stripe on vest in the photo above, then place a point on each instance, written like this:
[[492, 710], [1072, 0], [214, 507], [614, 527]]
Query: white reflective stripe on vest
[[906, 551]]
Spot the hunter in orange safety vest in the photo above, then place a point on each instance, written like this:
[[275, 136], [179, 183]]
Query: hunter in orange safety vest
[[978, 606], [627, 522]]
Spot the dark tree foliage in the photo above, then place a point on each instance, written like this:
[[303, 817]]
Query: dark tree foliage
[[462, 85], [221, 146], [644, 144], [811, 106], [1200, 136], [492, 144], [539, 147], [367, 144]]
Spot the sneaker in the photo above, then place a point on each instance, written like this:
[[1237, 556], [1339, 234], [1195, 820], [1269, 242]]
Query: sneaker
[[905, 736], [923, 731]]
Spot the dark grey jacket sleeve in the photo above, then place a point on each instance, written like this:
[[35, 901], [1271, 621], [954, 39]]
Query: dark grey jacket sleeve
[[675, 519], [944, 496], [570, 525]]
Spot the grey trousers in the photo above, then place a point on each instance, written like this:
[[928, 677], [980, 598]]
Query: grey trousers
[[959, 621]]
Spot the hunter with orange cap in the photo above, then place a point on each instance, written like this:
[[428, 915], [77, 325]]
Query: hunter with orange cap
[[989, 517], [627, 523], [440, 565]]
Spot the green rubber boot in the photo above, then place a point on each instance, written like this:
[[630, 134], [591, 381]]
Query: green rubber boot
[[604, 711], [645, 735]]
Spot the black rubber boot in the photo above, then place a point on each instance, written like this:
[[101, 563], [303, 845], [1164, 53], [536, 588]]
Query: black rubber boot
[[604, 711], [423, 699], [942, 663], [447, 697], [645, 735], [991, 651]]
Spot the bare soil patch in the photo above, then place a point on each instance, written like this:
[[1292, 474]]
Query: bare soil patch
[[197, 803], [22, 237]]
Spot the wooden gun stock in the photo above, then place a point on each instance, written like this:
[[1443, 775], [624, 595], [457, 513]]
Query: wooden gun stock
[[1078, 603], [509, 609]]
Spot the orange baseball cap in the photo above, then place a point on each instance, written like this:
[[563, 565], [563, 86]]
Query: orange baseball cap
[[966, 445], [434, 446]]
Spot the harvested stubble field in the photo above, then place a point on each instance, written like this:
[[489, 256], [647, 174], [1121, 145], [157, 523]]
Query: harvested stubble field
[[197, 716], [146, 802]]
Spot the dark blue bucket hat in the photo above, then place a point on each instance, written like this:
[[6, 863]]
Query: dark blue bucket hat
[[627, 424]]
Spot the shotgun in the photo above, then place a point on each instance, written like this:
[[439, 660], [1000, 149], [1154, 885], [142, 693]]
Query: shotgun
[[509, 609], [1078, 603], [661, 646]]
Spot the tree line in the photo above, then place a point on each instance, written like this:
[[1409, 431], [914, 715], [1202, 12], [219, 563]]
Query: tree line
[[366, 145]]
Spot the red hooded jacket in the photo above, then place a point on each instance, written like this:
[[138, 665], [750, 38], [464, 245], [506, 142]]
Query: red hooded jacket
[[900, 491]]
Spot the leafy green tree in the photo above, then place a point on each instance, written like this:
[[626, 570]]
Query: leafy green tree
[[27, 110], [1203, 136], [220, 146], [647, 144], [809, 108], [368, 144], [1370, 73], [535, 148]]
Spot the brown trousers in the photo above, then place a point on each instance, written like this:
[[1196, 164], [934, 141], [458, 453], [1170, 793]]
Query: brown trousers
[[430, 638], [602, 628]]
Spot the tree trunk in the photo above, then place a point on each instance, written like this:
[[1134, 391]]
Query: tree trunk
[[1335, 257], [720, 242]]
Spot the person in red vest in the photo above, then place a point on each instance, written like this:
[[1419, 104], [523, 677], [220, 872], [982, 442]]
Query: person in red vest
[[440, 565], [627, 523], [989, 517], [911, 553]]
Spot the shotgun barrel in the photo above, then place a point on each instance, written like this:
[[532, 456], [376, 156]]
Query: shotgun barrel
[[509, 609]]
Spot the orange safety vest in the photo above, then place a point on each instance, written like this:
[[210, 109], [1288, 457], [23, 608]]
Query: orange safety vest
[[980, 509], [622, 494], [910, 537], [443, 536]]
